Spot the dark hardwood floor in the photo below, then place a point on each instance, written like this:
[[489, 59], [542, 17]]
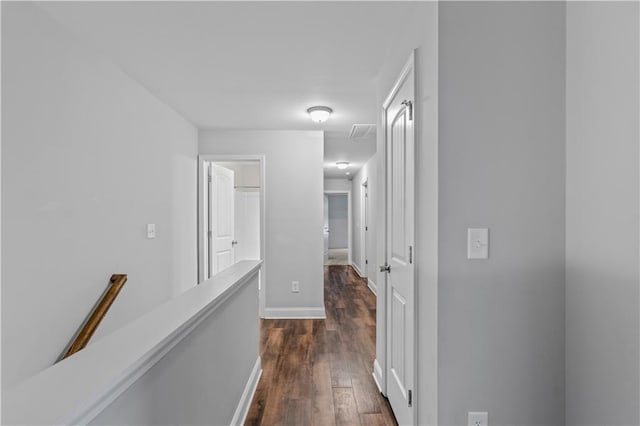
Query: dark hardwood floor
[[318, 372]]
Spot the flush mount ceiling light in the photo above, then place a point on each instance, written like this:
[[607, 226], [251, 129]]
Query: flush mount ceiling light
[[342, 164], [319, 114]]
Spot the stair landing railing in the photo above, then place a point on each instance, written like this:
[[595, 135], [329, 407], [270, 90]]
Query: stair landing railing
[[91, 324]]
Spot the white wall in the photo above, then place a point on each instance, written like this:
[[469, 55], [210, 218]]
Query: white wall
[[338, 221], [293, 209], [602, 277], [365, 174], [502, 156], [246, 173], [89, 158], [337, 185]]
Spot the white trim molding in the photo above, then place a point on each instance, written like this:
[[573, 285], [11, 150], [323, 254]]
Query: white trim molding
[[295, 313], [377, 375], [240, 415], [373, 287], [261, 159], [349, 218], [355, 268]]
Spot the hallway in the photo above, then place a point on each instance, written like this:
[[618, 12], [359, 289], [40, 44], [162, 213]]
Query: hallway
[[318, 372]]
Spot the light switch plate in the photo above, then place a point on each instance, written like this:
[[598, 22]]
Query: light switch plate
[[151, 230], [477, 243], [478, 418]]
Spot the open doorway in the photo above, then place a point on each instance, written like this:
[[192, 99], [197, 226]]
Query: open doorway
[[231, 214], [337, 227]]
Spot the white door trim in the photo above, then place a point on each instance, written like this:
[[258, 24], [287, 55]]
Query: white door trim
[[380, 363], [202, 187], [348, 192], [364, 224]]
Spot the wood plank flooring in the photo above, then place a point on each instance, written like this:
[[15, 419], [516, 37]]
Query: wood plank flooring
[[318, 372]]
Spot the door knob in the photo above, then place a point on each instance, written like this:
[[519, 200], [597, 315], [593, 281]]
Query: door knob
[[234, 242], [385, 268]]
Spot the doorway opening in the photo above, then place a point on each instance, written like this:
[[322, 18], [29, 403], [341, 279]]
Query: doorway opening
[[231, 214], [337, 227], [364, 231]]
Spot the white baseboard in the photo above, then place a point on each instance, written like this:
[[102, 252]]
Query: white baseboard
[[294, 313], [358, 271], [373, 287], [377, 375], [244, 404]]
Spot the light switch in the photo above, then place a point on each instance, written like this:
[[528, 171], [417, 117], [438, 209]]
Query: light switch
[[151, 230], [477, 243]]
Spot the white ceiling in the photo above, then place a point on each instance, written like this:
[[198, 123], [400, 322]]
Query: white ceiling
[[250, 65]]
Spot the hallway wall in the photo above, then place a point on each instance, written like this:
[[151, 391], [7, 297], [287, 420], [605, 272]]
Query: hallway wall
[[602, 347], [502, 166], [366, 173], [89, 158], [337, 184], [293, 211]]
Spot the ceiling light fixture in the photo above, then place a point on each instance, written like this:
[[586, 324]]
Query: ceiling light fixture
[[342, 164], [319, 114]]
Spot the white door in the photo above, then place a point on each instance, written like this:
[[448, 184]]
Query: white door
[[326, 229], [400, 337], [221, 217]]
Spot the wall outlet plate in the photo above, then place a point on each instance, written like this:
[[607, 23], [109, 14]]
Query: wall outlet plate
[[295, 286], [478, 418]]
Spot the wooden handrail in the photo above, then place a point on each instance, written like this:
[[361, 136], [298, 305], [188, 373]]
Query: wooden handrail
[[90, 326]]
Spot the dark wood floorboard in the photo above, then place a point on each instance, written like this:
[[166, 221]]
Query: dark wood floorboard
[[318, 372]]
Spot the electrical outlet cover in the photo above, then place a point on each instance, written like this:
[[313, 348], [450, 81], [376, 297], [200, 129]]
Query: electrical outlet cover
[[478, 418]]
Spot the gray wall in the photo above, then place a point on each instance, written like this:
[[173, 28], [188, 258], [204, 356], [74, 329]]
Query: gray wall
[[293, 210], [501, 163], [602, 213], [338, 220], [89, 158]]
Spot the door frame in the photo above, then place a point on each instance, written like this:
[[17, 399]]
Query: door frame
[[364, 224], [380, 363], [349, 242], [202, 187]]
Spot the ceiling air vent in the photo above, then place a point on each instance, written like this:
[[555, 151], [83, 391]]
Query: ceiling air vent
[[362, 131]]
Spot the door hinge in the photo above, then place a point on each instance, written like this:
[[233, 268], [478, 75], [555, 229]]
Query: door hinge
[[410, 254], [210, 234], [409, 106], [410, 397], [366, 228], [209, 178], [366, 262]]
